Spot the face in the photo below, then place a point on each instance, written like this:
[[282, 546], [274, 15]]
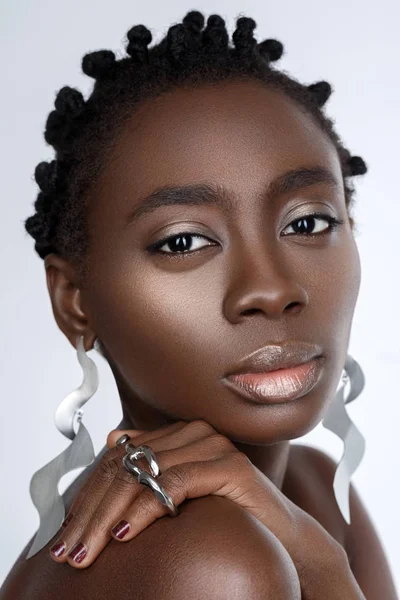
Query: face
[[176, 320]]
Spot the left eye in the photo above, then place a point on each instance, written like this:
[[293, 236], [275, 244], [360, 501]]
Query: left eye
[[306, 225]]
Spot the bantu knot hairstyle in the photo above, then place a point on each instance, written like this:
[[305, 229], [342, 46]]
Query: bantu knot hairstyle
[[100, 64], [81, 131]]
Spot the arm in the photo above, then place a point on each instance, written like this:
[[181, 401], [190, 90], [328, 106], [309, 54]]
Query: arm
[[367, 562], [326, 573], [367, 557]]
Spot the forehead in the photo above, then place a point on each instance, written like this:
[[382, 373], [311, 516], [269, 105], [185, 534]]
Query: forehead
[[240, 134]]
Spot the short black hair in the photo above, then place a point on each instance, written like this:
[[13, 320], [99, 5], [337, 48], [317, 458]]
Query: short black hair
[[83, 131]]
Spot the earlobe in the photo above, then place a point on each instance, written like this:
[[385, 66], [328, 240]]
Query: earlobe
[[65, 296]]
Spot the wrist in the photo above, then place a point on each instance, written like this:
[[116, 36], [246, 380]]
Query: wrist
[[312, 547], [336, 579], [322, 564]]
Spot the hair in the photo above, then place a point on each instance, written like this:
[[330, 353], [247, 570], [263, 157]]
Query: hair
[[82, 132]]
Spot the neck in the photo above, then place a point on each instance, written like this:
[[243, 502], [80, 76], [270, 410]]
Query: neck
[[270, 459]]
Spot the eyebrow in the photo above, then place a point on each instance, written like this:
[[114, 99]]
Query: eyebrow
[[211, 194]]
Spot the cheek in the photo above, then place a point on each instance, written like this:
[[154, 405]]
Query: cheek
[[153, 327], [334, 289]]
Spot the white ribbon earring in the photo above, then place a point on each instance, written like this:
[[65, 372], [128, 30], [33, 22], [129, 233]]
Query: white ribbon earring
[[44, 483], [338, 421]]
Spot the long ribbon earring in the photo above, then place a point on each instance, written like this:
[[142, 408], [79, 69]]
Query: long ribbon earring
[[338, 421], [44, 483]]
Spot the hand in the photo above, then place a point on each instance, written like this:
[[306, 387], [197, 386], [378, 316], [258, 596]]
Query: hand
[[112, 494]]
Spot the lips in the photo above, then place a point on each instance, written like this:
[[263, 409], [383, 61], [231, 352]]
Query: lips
[[280, 385], [276, 356]]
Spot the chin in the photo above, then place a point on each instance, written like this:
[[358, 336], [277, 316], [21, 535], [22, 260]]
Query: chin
[[259, 424]]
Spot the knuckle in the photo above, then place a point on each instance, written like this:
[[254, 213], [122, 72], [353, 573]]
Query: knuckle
[[221, 442], [199, 425], [114, 452], [176, 476], [124, 479], [108, 466], [241, 460]]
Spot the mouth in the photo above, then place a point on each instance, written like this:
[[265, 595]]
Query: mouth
[[278, 386], [277, 356]]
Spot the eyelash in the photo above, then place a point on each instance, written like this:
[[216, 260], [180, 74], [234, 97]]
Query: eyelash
[[334, 223]]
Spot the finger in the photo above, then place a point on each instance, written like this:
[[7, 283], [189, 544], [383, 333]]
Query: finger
[[115, 434], [124, 491], [91, 494], [86, 502], [135, 434], [100, 490], [181, 481], [232, 475], [180, 435], [96, 535]]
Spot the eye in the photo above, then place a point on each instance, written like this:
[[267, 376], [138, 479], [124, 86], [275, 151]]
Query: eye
[[305, 225], [181, 243]]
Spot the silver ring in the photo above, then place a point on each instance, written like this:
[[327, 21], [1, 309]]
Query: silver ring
[[139, 452], [129, 448], [145, 478], [160, 493]]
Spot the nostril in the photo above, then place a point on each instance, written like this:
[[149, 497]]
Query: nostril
[[250, 311], [293, 307]]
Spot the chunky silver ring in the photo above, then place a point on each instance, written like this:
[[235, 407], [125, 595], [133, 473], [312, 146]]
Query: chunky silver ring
[[129, 448], [139, 452], [145, 478]]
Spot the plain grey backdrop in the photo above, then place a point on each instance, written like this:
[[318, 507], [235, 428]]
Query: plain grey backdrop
[[353, 44]]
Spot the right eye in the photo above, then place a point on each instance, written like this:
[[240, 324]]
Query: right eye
[[180, 243]]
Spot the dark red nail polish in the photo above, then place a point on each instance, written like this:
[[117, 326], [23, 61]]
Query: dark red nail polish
[[66, 520], [58, 549], [78, 553], [121, 529]]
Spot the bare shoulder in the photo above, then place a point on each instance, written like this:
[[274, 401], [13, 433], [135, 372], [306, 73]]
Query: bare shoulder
[[213, 549], [225, 553], [360, 539], [315, 459], [309, 484]]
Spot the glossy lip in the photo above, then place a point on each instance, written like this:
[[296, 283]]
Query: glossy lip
[[278, 386], [276, 356]]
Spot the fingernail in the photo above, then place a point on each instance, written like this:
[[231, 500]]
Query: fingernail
[[66, 520], [121, 529], [58, 549], [78, 553]]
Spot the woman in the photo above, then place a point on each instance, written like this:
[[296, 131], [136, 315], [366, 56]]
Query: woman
[[198, 210]]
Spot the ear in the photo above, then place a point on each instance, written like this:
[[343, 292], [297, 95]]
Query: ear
[[66, 301]]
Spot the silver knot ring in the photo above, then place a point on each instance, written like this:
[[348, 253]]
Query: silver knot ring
[[142, 476]]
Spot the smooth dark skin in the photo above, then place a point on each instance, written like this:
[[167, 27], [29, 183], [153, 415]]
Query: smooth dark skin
[[173, 327]]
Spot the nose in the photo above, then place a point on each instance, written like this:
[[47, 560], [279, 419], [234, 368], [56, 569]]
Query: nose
[[263, 282]]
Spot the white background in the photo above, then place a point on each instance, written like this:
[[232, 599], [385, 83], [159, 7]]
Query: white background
[[353, 44]]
